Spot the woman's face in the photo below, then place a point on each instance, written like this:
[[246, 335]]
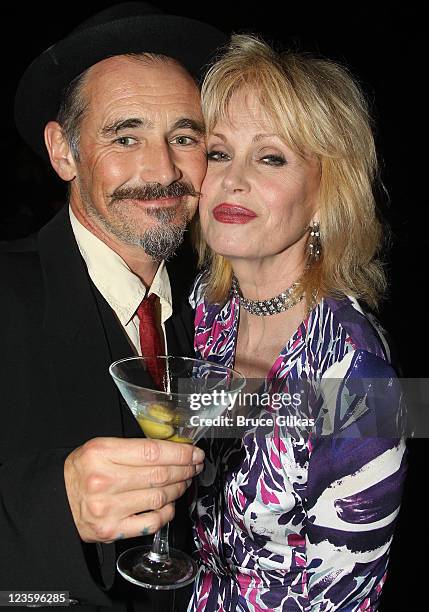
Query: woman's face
[[258, 197]]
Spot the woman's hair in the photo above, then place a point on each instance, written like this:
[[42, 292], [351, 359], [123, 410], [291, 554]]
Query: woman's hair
[[318, 110]]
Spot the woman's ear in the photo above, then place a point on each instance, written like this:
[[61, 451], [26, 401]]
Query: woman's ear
[[315, 217], [59, 151]]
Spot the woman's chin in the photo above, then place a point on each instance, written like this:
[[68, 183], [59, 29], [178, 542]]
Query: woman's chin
[[232, 251]]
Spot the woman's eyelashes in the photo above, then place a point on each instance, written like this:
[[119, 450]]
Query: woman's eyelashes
[[217, 156], [274, 160], [271, 159]]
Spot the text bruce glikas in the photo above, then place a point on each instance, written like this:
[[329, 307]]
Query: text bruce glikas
[[243, 421]]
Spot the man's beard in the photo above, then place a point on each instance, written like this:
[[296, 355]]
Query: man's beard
[[159, 241]]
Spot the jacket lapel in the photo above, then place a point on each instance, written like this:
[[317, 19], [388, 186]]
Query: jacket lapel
[[77, 339], [119, 347], [180, 326]]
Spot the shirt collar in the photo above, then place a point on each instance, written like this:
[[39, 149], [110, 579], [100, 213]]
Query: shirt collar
[[120, 287]]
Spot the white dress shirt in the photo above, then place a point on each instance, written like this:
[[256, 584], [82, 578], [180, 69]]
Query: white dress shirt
[[121, 288]]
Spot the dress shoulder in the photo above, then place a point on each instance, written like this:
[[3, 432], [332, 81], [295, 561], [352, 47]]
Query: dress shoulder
[[363, 330], [215, 324], [196, 296], [354, 373]]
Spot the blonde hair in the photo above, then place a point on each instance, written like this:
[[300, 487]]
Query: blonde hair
[[318, 110]]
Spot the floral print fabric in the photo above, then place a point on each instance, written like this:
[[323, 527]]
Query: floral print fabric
[[296, 522]]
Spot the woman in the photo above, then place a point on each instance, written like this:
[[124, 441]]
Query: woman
[[289, 235]]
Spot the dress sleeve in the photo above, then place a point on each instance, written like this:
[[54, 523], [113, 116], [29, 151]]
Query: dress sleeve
[[356, 473]]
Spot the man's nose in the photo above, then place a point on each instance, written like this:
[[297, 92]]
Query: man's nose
[[157, 164]]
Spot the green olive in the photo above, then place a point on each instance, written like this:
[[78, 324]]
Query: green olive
[[158, 431], [181, 439], [160, 413]]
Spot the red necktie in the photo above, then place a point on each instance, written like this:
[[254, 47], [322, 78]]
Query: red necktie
[[150, 339]]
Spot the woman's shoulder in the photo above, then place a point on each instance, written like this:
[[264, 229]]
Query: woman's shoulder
[[204, 309], [358, 326], [210, 314], [215, 324], [197, 293], [359, 385], [340, 333]]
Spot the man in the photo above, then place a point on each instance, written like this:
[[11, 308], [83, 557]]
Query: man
[[125, 131]]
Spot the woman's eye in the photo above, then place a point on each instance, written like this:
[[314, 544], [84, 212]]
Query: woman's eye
[[273, 160], [217, 156], [125, 141], [184, 140]]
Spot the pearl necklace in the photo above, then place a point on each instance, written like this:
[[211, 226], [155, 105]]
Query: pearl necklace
[[263, 308]]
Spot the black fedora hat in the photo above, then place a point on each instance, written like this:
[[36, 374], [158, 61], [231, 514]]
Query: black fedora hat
[[130, 27]]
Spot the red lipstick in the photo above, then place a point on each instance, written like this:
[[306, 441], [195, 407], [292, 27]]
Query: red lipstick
[[233, 213]]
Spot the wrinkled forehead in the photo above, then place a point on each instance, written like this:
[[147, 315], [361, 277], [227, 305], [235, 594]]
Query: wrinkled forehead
[[150, 77], [243, 106]]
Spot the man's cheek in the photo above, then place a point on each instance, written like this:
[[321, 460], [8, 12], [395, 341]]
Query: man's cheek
[[200, 169]]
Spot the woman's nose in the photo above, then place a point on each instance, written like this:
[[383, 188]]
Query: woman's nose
[[235, 177]]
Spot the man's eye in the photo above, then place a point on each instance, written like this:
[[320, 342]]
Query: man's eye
[[184, 140], [125, 141], [273, 160], [217, 156]]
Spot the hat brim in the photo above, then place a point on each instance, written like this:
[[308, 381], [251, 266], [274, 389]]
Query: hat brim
[[38, 96]]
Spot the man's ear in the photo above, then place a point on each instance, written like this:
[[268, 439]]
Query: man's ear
[[59, 151]]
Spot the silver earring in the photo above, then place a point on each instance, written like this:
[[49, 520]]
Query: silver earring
[[314, 244]]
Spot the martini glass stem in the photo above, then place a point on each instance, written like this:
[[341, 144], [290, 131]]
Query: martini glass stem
[[159, 551]]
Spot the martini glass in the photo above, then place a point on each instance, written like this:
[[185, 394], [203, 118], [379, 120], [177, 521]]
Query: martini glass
[[194, 393]]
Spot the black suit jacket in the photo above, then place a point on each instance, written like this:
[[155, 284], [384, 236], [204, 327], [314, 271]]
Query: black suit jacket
[[58, 337]]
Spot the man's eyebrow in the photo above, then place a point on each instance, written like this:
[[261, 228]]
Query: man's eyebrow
[[185, 123], [125, 124]]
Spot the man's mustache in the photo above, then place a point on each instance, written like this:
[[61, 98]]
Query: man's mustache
[[154, 191]]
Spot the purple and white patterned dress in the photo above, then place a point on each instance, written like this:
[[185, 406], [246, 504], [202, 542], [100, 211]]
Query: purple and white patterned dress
[[297, 523]]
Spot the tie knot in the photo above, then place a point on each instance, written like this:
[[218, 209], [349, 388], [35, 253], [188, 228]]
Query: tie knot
[[147, 307]]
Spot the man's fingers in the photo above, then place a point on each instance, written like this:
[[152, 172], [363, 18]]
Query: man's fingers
[[136, 479], [149, 522], [142, 451], [137, 525], [133, 502]]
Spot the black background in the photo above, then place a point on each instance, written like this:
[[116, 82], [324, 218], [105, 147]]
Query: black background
[[381, 46]]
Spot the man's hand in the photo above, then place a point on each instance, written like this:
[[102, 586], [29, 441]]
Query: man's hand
[[109, 481]]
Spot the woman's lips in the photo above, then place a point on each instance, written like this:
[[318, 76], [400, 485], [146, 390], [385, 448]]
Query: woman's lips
[[232, 213]]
